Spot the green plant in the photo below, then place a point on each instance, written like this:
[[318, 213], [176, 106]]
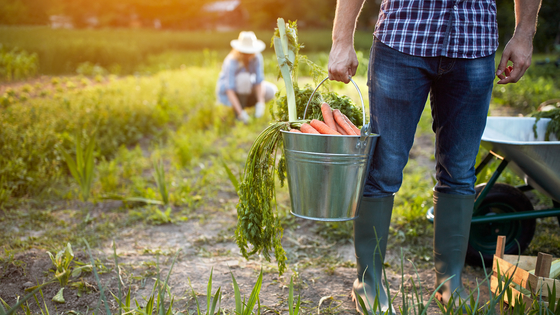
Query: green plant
[[242, 308], [89, 69], [157, 217], [293, 309], [17, 64], [234, 181], [61, 263], [159, 176], [108, 175], [20, 301], [211, 301], [82, 168], [9, 260]]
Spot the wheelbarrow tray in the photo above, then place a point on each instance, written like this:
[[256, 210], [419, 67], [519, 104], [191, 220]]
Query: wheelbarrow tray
[[532, 158]]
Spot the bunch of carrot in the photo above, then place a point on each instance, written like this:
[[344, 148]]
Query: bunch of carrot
[[335, 123]]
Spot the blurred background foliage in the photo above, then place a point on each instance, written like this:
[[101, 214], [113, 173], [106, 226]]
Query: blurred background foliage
[[238, 14]]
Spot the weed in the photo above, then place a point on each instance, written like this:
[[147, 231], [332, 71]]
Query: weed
[[9, 260], [82, 167], [17, 64], [294, 309], [159, 176], [211, 301], [61, 263], [246, 308], [108, 175], [158, 217]]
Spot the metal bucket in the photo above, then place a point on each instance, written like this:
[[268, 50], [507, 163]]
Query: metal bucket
[[326, 173]]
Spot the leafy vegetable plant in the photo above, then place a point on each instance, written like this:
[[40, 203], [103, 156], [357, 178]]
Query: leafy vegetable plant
[[82, 168], [553, 126]]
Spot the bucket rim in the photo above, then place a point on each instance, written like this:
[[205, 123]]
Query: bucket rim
[[325, 135]]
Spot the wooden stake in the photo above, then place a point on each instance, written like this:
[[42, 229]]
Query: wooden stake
[[543, 265], [501, 246]]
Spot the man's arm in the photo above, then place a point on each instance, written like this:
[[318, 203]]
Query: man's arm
[[519, 49], [343, 61]]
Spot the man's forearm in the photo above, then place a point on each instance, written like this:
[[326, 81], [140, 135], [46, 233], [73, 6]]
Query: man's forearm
[[346, 16], [526, 12]]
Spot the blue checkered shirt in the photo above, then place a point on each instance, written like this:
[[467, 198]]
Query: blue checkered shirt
[[432, 28]]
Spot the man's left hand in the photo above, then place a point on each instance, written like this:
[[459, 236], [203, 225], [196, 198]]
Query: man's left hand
[[519, 51]]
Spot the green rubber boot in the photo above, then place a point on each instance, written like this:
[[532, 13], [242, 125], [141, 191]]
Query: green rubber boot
[[452, 222], [374, 217]]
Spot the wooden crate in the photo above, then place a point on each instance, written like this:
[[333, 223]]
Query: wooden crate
[[529, 286]]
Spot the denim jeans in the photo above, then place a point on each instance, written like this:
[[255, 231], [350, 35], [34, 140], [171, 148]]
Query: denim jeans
[[399, 84]]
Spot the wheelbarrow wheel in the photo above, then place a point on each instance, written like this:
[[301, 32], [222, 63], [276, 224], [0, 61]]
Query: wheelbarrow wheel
[[502, 198]]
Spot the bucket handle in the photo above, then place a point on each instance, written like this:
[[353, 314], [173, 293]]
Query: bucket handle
[[364, 132]]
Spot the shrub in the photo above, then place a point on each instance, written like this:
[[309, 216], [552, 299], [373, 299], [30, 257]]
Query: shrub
[[17, 64]]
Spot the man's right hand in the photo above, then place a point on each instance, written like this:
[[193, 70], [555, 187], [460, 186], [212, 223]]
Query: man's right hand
[[343, 63]]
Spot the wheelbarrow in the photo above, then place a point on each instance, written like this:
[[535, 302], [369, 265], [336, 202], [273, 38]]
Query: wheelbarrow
[[502, 209]]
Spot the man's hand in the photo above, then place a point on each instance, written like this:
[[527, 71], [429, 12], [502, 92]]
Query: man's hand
[[520, 47], [519, 51], [343, 63]]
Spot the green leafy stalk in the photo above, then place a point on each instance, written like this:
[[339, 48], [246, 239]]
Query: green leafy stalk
[[553, 127], [234, 181], [82, 168], [102, 293], [159, 176], [286, 49], [293, 309], [257, 223], [242, 308]]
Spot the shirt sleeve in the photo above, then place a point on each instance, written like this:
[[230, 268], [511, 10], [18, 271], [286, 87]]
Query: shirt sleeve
[[259, 69]]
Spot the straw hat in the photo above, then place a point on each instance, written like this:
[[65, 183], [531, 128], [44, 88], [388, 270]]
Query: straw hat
[[248, 43]]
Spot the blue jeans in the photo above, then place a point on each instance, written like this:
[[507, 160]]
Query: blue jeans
[[399, 84]]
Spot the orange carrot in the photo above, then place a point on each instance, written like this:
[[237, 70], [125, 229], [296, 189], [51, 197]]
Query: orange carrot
[[356, 130], [306, 128], [339, 129], [323, 128], [342, 123], [295, 130], [328, 116]]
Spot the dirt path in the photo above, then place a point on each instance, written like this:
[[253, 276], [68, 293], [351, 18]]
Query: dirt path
[[204, 249]]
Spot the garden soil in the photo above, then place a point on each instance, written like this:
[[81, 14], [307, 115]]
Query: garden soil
[[322, 270], [197, 249]]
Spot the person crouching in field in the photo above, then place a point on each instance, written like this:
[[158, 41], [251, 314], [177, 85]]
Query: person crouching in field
[[241, 82]]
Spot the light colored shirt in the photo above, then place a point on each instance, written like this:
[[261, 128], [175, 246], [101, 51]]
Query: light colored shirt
[[231, 68], [433, 28]]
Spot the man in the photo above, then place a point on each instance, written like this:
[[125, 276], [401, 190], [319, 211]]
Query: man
[[445, 49]]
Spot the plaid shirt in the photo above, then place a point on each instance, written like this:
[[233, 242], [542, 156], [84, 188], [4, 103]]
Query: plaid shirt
[[432, 28]]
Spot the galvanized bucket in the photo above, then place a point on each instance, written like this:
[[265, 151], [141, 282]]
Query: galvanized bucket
[[326, 173]]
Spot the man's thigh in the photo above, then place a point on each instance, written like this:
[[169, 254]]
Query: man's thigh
[[398, 88], [460, 99]]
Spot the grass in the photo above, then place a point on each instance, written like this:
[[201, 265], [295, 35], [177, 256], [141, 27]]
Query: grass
[[162, 301]]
